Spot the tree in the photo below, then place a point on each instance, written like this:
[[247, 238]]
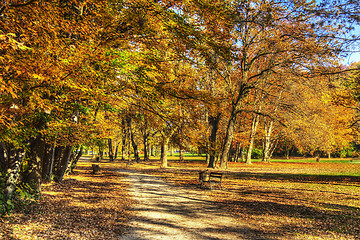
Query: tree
[[319, 126], [270, 37], [57, 71]]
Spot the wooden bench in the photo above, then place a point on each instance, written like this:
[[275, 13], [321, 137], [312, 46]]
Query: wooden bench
[[213, 178]]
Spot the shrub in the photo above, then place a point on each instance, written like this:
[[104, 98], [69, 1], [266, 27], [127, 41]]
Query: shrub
[[23, 196], [256, 153]]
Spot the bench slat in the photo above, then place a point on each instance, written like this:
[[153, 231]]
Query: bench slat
[[212, 178]]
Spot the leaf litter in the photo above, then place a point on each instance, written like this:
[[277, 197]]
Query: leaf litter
[[83, 206]]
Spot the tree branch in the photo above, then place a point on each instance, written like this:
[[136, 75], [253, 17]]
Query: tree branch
[[21, 4]]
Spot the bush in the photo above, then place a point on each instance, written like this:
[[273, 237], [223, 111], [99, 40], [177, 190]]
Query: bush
[[256, 153], [23, 196], [350, 151]]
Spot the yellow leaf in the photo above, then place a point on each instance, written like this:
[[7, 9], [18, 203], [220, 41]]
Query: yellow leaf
[[37, 76]]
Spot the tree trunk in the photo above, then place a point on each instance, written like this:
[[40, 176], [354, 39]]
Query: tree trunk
[[161, 152], [254, 125], [273, 147], [243, 154], [63, 163], [135, 148], [70, 162], [116, 151], [132, 139], [123, 148], [237, 152], [111, 151], [129, 150], [36, 154], [101, 153], [214, 124], [57, 158], [76, 158], [268, 127], [227, 142], [164, 148], [181, 155], [152, 151], [15, 157], [47, 163], [3, 158], [146, 152], [171, 150]]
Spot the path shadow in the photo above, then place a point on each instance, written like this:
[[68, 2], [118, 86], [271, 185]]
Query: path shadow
[[195, 208], [166, 209]]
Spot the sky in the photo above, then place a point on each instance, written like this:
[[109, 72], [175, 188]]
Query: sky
[[355, 57]]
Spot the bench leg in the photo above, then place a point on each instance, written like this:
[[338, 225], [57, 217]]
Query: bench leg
[[215, 183]]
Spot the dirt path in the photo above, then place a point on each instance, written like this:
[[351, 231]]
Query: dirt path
[[165, 211]]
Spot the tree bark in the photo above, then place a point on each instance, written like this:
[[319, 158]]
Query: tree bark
[[146, 151], [243, 154], [214, 125], [181, 155], [152, 150], [116, 151], [75, 159], [111, 151], [101, 153], [171, 150], [63, 163], [237, 152], [123, 148], [254, 125], [287, 154], [36, 154], [135, 148], [268, 127], [164, 148], [57, 158], [161, 152], [3, 158], [47, 163], [228, 140], [133, 142], [16, 156], [129, 150]]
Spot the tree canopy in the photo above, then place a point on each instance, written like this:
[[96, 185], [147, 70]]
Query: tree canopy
[[218, 76]]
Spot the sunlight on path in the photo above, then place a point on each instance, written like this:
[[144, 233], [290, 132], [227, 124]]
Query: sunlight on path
[[165, 211]]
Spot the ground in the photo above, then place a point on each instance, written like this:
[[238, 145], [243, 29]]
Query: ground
[[83, 206], [165, 211], [142, 201]]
